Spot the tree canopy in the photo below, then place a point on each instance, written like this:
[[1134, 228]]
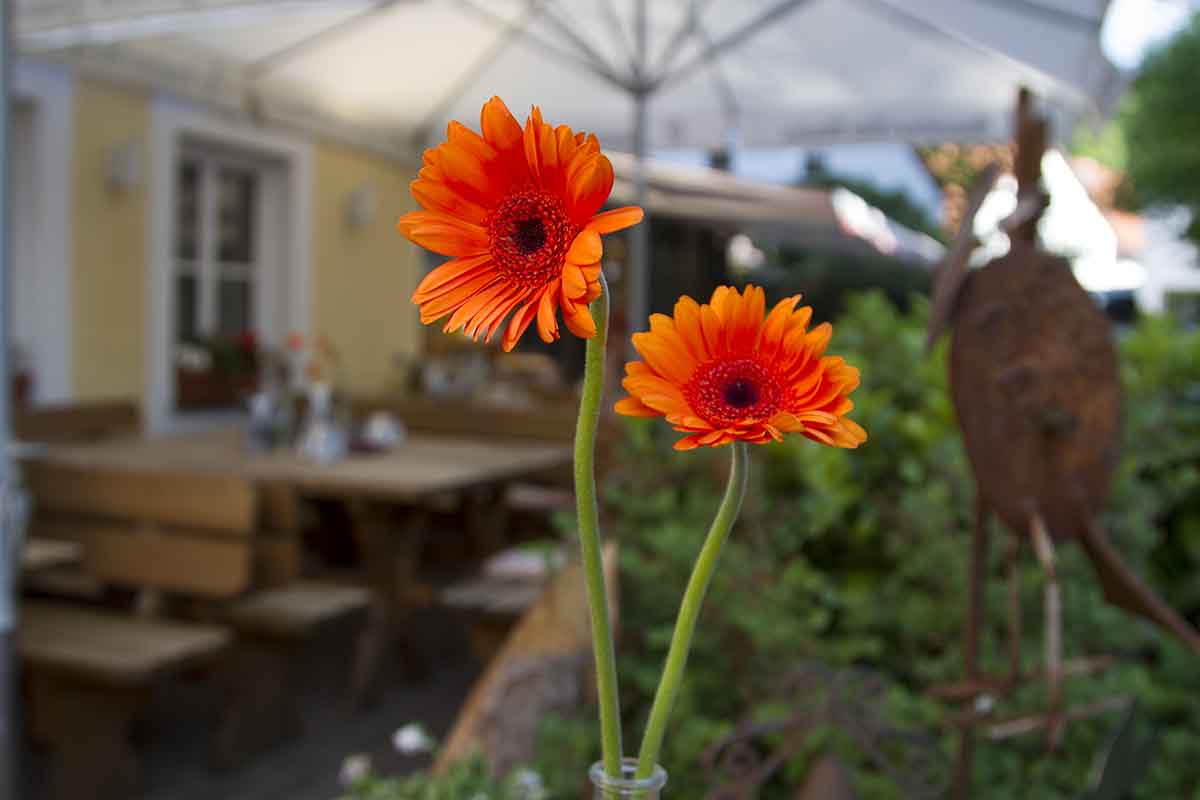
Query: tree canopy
[[1157, 130]]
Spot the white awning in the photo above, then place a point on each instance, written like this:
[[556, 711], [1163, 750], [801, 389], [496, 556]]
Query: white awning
[[778, 72]]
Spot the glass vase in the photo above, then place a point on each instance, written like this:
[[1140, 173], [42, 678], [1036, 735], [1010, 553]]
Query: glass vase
[[627, 786]]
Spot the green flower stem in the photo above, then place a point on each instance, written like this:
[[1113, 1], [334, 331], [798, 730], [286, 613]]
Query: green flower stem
[[689, 611], [589, 535]]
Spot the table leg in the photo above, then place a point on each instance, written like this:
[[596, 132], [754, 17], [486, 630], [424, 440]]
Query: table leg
[[390, 547], [486, 520]]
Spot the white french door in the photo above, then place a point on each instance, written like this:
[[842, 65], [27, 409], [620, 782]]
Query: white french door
[[226, 281], [218, 270]]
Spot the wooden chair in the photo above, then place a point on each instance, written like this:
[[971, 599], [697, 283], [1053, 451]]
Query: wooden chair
[[191, 539]]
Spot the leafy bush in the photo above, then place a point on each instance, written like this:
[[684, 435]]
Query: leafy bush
[[860, 558]]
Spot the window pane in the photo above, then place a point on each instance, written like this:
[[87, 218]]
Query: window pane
[[185, 309], [235, 215], [233, 307], [187, 210]]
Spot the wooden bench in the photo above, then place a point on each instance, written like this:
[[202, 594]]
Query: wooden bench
[[73, 422], [543, 667], [89, 673], [187, 543], [492, 602], [77, 422]]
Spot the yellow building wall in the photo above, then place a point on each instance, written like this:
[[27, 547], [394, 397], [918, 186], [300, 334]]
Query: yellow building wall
[[363, 276], [109, 275]]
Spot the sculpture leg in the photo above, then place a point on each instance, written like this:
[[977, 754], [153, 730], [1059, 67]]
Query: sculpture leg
[[1014, 610], [1044, 549], [974, 622]]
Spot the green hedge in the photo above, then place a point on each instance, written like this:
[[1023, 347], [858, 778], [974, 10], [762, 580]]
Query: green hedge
[[860, 557]]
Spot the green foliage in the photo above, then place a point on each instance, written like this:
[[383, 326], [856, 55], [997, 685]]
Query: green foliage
[[468, 779], [1157, 130], [859, 558]]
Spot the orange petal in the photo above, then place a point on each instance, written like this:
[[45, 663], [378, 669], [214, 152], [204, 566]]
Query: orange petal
[[713, 330], [443, 234], [464, 167], [530, 143], [518, 325], [586, 249], [662, 357], [546, 322], [437, 196], [771, 336], [574, 282], [632, 407], [443, 304], [500, 128], [616, 220], [445, 276], [818, 339], [462, 136], [580, 322], [589, 185], [686, 443]]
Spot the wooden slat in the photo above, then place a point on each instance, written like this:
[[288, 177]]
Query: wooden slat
[[109, 647], [555, 423], [78, 422], [296, 608], [175, 560], [210, 501]]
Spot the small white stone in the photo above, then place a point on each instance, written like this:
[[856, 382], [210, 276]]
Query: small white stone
[[354, 769], [412, 740]]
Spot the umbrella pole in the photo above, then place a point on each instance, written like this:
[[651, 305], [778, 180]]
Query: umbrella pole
[[637, 292], [9, 728]]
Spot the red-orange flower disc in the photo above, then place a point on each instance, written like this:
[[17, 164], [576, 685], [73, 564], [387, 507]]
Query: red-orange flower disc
[[516, 208], [727, 370]]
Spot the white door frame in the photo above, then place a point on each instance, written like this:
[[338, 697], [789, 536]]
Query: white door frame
[[50, 90], [173, 122]]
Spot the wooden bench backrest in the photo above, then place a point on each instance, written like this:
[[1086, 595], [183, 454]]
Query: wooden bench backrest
[[459, 417], [190, 534], [78, 422]]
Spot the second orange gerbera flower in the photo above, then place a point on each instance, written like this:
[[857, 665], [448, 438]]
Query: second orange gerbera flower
[[516, 208], [727, 370]]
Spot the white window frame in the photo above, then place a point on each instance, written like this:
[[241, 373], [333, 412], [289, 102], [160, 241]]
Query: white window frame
[[50, 90], [206, 266], [174, 127]]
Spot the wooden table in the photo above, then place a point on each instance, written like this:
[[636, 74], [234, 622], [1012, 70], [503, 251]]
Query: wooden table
[[373, 486]]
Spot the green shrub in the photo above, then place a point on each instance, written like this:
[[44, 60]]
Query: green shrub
[[860, 558]]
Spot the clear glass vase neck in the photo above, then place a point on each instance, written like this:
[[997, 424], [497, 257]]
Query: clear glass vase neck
[[627, 787]]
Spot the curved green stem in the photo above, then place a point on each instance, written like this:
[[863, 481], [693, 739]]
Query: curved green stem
[[589, 535], [689, 611]]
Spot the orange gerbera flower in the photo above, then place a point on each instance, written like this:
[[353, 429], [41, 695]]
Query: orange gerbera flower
[[722, 371], [517, 210]]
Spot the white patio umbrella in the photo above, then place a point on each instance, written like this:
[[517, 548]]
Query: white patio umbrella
[[642, 74]]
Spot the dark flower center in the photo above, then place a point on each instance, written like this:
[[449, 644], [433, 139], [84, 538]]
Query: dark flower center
[[729, 391], [741, 393], [529, 235]]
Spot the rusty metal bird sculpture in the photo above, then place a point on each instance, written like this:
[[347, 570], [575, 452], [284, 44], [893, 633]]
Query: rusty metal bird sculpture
[[1033, 373]]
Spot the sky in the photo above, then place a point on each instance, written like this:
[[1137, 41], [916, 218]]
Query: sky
[[1131, 29]]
